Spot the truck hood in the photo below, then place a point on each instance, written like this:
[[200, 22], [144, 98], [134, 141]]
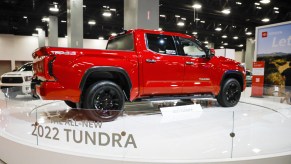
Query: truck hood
[[17, 74]]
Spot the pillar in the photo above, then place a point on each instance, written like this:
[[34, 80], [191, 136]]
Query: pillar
[[141, 14], [41, 38], [53, 31], [75, 23], [250, 51]]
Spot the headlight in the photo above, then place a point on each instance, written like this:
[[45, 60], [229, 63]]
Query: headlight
[[28, 78]]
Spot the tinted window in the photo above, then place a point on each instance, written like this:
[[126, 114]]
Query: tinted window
[[191, 48], [124, 42], [162, 44], [26, 67]]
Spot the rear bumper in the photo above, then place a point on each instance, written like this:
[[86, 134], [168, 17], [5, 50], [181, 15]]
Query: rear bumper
[[55, 91]]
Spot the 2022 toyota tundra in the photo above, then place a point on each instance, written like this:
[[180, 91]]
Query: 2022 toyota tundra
[[136, 65]]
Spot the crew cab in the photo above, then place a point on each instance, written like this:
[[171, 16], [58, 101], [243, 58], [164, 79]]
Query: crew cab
[[17, 82], [136, 65]]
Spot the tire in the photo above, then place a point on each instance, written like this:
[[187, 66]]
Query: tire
[[103, 101], [229, 93], [71, 104]]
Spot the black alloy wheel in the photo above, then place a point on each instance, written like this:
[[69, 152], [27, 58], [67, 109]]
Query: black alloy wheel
[[230, 93], [104, 101]]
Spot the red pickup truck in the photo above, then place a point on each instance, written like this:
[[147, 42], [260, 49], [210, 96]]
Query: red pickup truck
[[136, 65]]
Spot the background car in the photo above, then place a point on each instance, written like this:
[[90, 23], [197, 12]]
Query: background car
[[17, 82], [249, 77]]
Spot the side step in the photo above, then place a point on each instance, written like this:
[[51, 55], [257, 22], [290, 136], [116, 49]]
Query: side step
[[176, 97]]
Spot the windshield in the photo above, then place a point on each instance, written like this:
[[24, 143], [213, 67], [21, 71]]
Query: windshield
[[26, 67], [124, 42]]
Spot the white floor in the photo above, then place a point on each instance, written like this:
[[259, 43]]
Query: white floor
[[261, 127]]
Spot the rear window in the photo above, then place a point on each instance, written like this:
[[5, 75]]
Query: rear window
[[124, 42]]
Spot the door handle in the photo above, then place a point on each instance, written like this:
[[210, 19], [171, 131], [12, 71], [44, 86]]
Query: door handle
[[189, 63], [151, 61]]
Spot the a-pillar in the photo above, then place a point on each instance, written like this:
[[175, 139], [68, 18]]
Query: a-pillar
[[75, 23], [41, 38], [141, 14], [53, 31], [249, 56]]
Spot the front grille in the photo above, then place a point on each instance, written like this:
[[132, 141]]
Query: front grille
[[12, 80]]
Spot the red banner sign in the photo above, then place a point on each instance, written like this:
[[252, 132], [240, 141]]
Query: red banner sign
[[258, 79]]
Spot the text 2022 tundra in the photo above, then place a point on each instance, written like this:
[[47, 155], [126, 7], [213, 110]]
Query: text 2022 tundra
[[137, 64]]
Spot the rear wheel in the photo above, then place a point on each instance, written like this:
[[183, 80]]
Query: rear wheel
[[229, 93], [103, 101]]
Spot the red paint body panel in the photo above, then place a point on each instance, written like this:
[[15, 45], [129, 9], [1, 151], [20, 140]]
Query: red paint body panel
[[168, 75]]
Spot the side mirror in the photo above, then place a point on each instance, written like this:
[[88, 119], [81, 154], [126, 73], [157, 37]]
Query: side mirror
[[211, 53]]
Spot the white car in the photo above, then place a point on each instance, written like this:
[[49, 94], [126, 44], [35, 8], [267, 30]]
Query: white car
[[17, 82]]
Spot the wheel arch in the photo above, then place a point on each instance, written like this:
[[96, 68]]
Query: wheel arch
[[100, 73], [233, 74]]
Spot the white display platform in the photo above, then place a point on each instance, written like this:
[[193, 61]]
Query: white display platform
[[262, 134]]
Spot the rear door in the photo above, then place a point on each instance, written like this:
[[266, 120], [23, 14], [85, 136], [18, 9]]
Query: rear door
[[162, 67]]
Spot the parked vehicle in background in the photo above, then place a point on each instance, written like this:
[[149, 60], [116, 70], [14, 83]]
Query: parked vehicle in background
[[17, 82], [136, 65], [249, 78]]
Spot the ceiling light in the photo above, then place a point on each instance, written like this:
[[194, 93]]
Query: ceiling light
[[92, 22], [235, 37], [113, 34], [181, 24], [226, 44], [276, 8], [112, 9], [238, 3], [257, 4], [224, 36], [194, 33], [24, 17], [184, 19], [218, 29], [160, 29], [38, 29], [45, 19], [197, 19], [241, 45], [107, 14], [226, 11], [34, 34], [84, 6], [202, 21], [265, 1], [63, 21], [249, 33], [177, 16], [205, 42], [163, 16], [101, 38], [197, 6], [221, 47], [259, 7], [265, 20], [277, 12], [54, 9]]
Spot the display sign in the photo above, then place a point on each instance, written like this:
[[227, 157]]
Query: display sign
[[258, 79], [274, 48]]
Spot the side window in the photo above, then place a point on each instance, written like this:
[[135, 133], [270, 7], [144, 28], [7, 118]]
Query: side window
[[191, 48], [162, 44]]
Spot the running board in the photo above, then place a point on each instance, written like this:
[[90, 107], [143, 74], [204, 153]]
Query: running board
[[176, 97]]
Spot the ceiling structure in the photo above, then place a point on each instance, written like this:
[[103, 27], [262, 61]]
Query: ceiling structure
[[208, 23]]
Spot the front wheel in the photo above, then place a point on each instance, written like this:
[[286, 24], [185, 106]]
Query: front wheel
[[229, 93], [103, 101]]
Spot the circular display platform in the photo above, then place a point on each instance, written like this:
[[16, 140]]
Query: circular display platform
[[255, 131]]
